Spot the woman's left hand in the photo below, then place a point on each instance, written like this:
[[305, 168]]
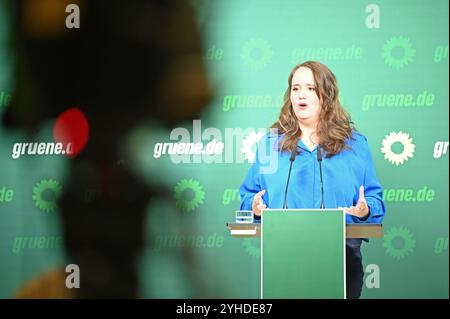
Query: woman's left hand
[[361, 210]]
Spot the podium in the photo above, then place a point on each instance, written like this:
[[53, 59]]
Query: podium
[[303, 251]]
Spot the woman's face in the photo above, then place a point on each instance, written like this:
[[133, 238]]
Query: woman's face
[[304, 98]]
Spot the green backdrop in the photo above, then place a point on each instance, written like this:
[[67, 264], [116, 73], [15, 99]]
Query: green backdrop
[[391, 62]]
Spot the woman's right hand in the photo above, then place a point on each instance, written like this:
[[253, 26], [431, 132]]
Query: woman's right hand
[[258, 203]]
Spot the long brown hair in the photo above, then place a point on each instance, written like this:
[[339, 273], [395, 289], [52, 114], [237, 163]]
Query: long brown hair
[[335, 124]]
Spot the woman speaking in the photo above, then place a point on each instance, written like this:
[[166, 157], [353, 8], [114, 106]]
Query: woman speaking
[[313, 128]]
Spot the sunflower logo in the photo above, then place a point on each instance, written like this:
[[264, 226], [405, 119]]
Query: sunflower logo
[[188, 194], [256, 53], [247, 145], [398, 44], [46, 194], [408, 147], [399, 242], [252, 246]]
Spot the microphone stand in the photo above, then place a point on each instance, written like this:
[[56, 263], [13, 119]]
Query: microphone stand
[[319, 159], [292, 159]]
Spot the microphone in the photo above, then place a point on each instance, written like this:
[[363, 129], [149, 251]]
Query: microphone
[[319, 159], [292, 159]]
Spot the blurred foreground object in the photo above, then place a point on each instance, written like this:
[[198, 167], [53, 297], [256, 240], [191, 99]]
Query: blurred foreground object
[[129, 62], [50, 285]]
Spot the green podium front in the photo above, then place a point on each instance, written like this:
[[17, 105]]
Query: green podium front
[[303, 253]]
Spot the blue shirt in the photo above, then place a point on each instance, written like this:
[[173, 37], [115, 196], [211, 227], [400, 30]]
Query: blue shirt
[[343, 174]]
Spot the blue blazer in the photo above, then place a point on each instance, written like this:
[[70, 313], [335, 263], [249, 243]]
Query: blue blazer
[[343, 174]]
